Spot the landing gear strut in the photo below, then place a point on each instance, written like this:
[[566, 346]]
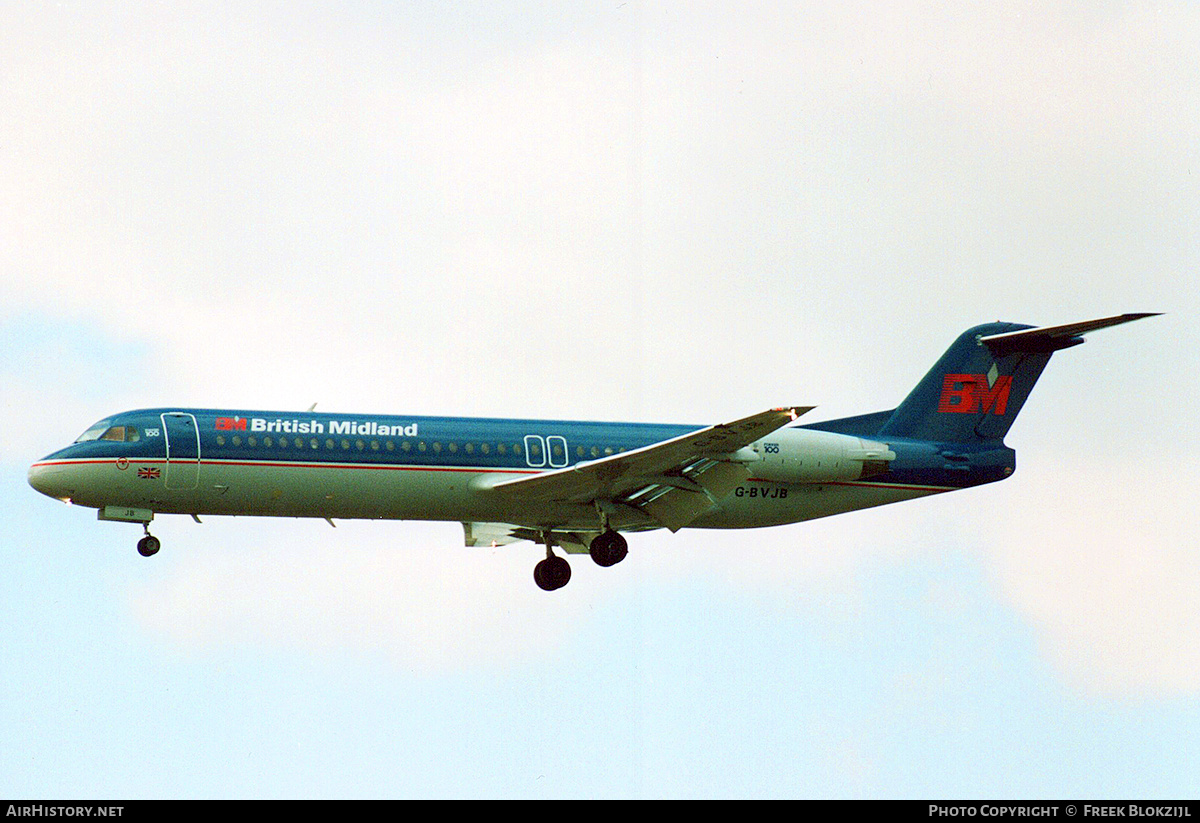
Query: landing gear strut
[[149, 545], [553, 572], [608, 548]]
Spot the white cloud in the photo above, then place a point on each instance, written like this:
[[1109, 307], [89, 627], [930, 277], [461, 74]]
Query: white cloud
[[1102, 560]]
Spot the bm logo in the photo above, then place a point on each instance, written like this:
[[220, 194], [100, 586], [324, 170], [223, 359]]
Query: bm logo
[[974, 393], [231, 424]]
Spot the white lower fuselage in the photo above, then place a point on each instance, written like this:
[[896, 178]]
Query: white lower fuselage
[[406, 492]]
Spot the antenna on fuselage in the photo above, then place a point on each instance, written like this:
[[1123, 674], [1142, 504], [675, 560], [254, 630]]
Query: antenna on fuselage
[[313, 406]]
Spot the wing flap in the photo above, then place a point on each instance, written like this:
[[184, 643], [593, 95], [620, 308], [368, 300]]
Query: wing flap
[[675, 502], [677, 507], [503, 534], [490, 534], [720, 479]]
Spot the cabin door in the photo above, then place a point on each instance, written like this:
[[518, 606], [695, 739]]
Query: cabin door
[[183, 450]]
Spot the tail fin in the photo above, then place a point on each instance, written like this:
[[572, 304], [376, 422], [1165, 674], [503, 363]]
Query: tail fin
[[974, 392]]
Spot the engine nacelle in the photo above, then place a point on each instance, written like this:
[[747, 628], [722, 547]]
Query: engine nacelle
[[808, 456]]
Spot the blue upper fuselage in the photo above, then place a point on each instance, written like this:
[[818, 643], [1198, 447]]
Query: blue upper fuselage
[[484, 443], [223, 435]]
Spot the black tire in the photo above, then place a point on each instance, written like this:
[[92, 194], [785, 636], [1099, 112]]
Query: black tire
[[608, 549], [148, 546], [552, 573]]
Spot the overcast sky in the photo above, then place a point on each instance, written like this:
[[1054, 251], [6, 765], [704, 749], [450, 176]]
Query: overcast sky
[[676, 212]]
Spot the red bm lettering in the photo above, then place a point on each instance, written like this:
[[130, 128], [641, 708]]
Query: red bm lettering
[[971, 394]]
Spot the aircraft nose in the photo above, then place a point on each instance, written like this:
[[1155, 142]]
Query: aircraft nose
[[49, 480]]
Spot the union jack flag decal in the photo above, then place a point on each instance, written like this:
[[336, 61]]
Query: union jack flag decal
[[149, 474]]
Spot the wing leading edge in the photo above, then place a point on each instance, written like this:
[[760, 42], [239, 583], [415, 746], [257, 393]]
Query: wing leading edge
[[672, 482]]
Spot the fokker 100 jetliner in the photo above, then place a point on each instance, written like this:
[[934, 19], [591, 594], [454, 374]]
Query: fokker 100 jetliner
[[576, 485]]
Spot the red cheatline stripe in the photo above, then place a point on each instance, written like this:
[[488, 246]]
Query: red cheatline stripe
[[295, 464], [375, 466], [902, 486], [82, 462]]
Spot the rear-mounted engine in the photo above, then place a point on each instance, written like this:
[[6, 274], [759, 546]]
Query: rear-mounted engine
[[807, 456]]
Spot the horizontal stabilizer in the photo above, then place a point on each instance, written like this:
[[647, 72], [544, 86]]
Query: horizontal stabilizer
[[1053, 338]]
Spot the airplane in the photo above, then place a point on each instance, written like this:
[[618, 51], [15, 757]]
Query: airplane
[[575, 485]]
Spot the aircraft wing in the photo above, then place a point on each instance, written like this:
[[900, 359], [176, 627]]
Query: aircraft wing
[[673, 482]]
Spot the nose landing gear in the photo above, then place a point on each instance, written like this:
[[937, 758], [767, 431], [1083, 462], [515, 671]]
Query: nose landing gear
[[149, 545]]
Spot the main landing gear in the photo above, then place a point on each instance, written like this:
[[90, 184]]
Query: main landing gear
[[607, 549], [553, 572]]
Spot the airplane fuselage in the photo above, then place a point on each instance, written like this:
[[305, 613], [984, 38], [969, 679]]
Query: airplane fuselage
[[221, 462]]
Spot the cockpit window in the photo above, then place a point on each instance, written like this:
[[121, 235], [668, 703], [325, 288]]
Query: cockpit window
[[121, 434], [95, 431], [104, 430]]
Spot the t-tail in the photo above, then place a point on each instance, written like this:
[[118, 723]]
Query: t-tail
[[975, 391]]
